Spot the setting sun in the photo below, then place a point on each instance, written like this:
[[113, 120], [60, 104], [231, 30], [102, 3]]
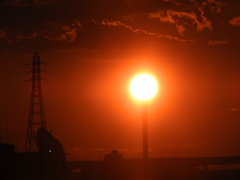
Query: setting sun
[[143, 86]]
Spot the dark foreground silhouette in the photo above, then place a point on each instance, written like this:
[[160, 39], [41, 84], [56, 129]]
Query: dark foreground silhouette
[[50, 164], [47, 164], [114, 167]]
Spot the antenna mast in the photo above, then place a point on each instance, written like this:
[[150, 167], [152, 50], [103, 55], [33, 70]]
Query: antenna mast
[[36, 117]]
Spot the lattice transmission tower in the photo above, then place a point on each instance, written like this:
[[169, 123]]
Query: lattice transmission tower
[[36, 117]]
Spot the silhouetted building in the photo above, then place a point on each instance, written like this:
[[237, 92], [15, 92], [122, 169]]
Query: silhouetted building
[[114, 156], [159, 168]]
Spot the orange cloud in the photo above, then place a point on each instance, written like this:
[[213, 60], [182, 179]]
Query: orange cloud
[[21, 37], [175, 17], [195, 14], [204, 24], [213, 5], [235, 109], [70, 34], [235, 21], [218, 42], [165, 17], [180, 29], [118, 23]]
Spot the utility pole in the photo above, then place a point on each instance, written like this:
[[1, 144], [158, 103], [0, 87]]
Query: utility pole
[[36, 117]]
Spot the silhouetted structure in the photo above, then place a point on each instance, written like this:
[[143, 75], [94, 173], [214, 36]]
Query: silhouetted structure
[[52, 156], [7, 149], [36, 118], [47, 164], [145, 133]]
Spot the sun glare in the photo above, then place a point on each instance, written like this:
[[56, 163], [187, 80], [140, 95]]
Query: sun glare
[[143, 87]]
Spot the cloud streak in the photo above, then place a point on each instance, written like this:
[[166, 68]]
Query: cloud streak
[[236, 109], [121, 24], [21, 37], [218, 42]]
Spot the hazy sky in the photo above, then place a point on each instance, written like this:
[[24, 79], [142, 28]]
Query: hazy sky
[[92, 49]]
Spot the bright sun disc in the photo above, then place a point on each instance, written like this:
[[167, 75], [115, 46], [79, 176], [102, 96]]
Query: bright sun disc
[[143, 86]]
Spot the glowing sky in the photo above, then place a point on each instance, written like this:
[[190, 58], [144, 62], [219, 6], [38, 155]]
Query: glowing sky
[[92, 49]]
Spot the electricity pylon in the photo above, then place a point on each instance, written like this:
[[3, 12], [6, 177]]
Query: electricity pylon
[[36, 117]]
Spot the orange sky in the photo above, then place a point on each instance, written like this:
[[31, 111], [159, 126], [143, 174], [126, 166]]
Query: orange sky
[[92, 51]]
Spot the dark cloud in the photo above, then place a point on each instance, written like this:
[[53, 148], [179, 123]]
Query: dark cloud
[[16, 3], [214, 5], [25, 3], [69, 35], [55, 20], [43, 2]]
